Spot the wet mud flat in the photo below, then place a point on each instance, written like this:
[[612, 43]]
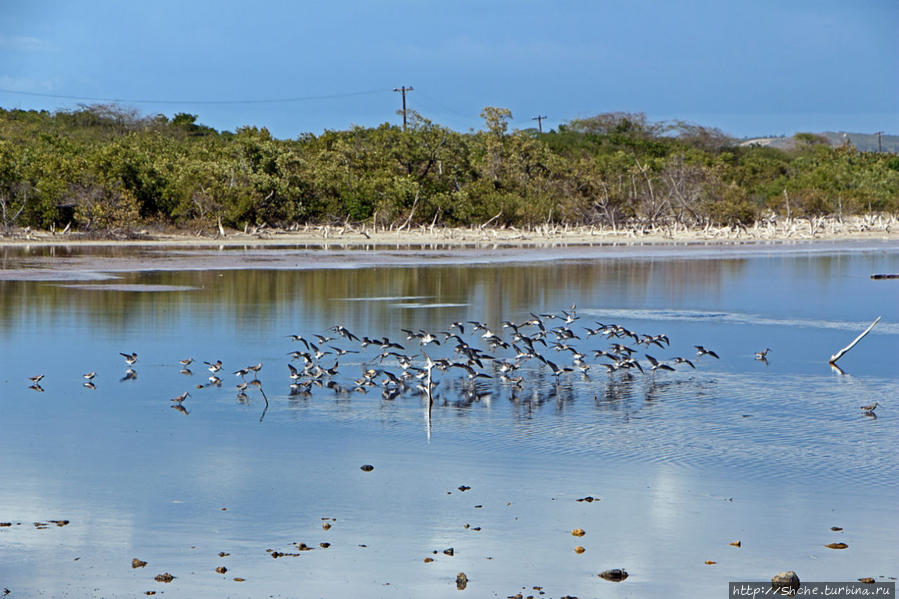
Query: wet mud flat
[[100, 263]]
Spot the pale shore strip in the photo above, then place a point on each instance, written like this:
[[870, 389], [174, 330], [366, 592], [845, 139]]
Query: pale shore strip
[[878, 227]]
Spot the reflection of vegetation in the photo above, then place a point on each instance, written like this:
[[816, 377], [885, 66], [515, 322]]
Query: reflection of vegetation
[[104, 168], [254, 300]]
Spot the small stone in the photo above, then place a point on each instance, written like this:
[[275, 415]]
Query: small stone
[[785, 581], [326, 525], [367, 468], [736, 544], [614, 575], [136, 563], [239, 579], [837, 546], [223, 554], [164, 577], [579, 549], [324, 545], [149, 592], [221, 569], [428, 560], [709, 562], [867, 580], [578, 532], [449, 551], [836, 528], [464, 488], [461, 581]]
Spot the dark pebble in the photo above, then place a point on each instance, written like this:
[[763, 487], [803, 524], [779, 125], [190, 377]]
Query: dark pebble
[[614, 575]]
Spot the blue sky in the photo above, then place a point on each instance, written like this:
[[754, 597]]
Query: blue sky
[[749, 68]]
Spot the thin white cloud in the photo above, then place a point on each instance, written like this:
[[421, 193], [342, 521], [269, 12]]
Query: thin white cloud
[[27, 84], [24, 43]]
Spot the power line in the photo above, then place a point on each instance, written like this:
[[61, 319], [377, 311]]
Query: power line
[[210, 102]]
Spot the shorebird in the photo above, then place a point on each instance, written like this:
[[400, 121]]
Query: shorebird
[[680, 360], [214, 366], [255, 368], [299, 338], [186, 362], [36, 387], [342, 352], [319, 354], [870, 408], [89, 385], [343, 332], [129, 358], [89, 376], [557, 371], [656, 365], [36, 378], [130, 375], [241, 372], [762, 355], [181, 397], [701, 351]]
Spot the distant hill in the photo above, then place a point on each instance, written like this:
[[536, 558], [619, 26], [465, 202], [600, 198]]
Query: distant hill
[[866, 142]]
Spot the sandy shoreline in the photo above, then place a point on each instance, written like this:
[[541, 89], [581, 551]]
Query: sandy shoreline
[[856, 229]]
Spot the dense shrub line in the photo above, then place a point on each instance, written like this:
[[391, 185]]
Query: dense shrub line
[[103, 168]]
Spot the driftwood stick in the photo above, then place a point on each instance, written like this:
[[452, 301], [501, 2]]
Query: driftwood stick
[[846, 349], [266, 405], [498, 214]]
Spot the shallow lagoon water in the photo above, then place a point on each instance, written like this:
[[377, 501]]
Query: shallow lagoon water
[[682, 463]]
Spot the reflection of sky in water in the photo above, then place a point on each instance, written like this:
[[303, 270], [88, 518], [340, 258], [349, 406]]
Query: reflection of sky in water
[[664, 453]]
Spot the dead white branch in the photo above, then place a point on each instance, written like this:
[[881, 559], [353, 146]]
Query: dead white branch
[[843, 351], [498, 214]]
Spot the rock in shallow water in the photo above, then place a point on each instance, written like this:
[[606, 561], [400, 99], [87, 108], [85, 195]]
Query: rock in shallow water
[[614, 575], [785, 580], [461, 581]]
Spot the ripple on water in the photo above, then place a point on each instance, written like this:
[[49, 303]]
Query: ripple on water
[[883, 328], [788, 425]]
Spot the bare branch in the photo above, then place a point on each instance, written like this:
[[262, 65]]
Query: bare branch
[[843, 351]]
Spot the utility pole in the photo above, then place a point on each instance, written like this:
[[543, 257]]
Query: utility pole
[[403, 90], [879, 144], [539, 120]]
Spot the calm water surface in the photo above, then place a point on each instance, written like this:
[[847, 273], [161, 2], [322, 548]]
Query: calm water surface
[[682, 463]]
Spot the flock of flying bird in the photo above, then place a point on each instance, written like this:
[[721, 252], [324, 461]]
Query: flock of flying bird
[[395, 372]]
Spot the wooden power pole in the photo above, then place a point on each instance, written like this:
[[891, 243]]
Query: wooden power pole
[[539, 119], [403, 90]]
